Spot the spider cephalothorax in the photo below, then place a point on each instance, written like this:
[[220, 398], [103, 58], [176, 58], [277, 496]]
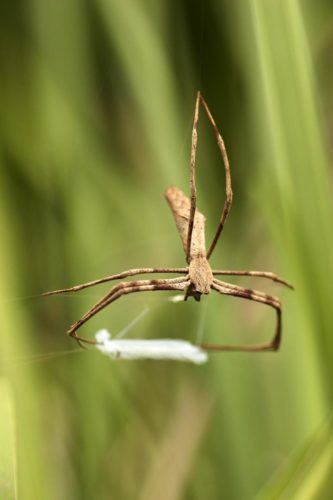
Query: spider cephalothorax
[[197, 278]]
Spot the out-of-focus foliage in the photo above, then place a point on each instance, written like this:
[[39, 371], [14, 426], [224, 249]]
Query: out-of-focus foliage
[[96, 106]]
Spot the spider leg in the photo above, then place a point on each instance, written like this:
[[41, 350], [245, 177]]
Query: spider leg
[[193, 188], [237, 291], [242, 289], [228, 189], [229, 195], [124, 289], [256, 274], [126, 284], [124, 274]]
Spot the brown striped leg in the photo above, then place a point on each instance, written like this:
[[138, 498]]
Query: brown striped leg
[[237, 291], [193, 188], [228, 189], [256, 274], [124, 274], [229, 195], [124, 289]]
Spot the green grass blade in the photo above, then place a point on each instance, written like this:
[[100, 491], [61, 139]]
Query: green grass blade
[[8, 477], [307, 474]]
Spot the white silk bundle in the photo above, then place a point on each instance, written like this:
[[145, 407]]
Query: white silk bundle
[[178, 350]]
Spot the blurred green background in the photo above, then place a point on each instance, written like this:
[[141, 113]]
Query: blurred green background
[[96, 107]]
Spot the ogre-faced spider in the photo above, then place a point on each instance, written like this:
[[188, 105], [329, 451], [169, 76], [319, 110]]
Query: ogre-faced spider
[[197, 278]]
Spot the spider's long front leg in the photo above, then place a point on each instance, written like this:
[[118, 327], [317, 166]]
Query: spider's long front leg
[[119, 276], [255, 274], [177, 284], [237, 291], [229, 194], [193, 188], [228, 188]]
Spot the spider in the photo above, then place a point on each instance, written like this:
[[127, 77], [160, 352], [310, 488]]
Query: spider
[[197, 278]]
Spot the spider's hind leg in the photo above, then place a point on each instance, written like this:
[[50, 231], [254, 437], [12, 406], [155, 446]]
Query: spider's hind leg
[[244, 293]]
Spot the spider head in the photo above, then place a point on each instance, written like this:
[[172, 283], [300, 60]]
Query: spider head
[[190, 292]]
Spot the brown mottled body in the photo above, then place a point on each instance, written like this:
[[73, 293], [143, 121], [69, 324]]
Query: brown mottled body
[[200, 273], [180, 206], [198, 278]]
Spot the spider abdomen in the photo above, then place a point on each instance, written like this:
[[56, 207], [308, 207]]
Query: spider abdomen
[[180, 205]]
